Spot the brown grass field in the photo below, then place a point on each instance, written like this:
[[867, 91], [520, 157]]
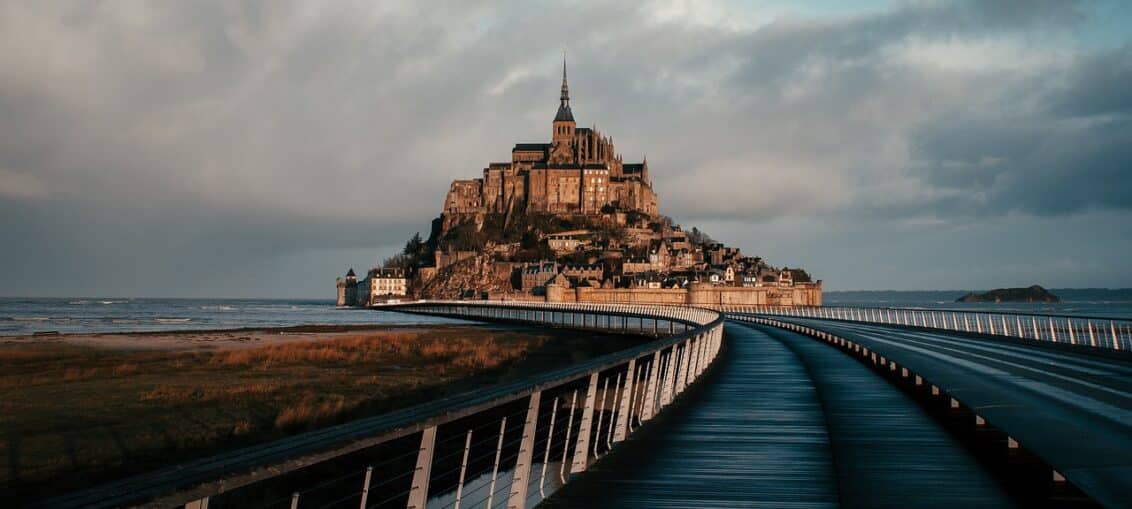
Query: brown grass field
[[73, 414]]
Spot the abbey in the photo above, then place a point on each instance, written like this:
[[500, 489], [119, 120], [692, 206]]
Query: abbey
[[570, 221], [578, 172]]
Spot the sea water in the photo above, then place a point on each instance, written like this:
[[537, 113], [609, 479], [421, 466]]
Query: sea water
[[1115, 303], [19, 316]]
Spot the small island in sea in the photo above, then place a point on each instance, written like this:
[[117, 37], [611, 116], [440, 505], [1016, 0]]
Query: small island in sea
[[1033, 293]]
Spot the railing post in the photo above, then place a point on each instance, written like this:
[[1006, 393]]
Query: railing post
[[600, 416], [670, 377], [634, 399], [682, 367], [566, 442], [495, 468], [581, 450], [613, 413], [198, 504], [418, 493], [623, 413], [701, 350], [463, 473], [369, 475], [549, 441], [519, 481], [693, 354], [650, 388]]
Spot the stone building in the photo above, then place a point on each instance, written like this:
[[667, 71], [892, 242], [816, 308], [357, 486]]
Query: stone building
[[538, 274], [578, 172], [347, 289], [390, 282], [583, 270], [568, 242]]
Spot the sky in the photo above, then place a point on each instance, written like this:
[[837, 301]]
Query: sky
[[261, 148]]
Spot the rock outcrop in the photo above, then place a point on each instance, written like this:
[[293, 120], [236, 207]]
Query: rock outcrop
[[468, 278], [1032, 294]]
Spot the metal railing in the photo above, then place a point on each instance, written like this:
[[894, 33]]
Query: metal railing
[[512, 444], [1095, 332]]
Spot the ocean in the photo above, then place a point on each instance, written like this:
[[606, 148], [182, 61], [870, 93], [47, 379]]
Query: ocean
[[1108, 303], [20, 316]]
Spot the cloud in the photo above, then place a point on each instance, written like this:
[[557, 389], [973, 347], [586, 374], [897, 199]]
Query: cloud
[[274, 128], [21, 185], [1055, 147]]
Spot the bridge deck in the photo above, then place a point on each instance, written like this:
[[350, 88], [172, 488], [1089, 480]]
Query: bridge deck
[[887, 451], [769, 430], [729, 443], [1072, 410]]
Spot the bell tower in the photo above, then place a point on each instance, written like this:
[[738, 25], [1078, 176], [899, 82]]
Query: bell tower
[[564, 120]]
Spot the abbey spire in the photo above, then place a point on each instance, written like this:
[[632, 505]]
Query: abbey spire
[[564, 113]]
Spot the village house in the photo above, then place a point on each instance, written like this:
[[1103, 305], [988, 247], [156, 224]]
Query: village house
[[568, 242], [583, 271], [538, 274], [390, 282], [650, 280]]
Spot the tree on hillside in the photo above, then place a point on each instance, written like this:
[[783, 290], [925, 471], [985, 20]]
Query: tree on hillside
[[699, 237], [800, 276], [414, 247]]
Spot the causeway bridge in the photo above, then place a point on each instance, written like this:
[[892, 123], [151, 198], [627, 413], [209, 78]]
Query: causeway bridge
[[724, 407]]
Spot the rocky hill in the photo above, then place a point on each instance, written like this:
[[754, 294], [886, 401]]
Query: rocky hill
[[469, 278], [1034, 293]]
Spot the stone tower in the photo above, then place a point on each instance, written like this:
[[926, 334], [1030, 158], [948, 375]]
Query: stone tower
[[562, 141]]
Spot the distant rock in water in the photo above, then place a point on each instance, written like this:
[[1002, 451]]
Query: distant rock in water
[[1032, 294]]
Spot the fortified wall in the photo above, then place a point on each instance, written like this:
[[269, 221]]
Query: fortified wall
[[698, 294]]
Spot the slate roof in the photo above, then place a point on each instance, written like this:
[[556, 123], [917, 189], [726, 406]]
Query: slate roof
[[564, 114], [524, 147]]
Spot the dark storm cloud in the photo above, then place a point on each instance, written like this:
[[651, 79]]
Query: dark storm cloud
[[1096, 85], [1070, 152], [209, 139]]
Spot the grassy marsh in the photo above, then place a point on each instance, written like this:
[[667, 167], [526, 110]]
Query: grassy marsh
[[72, 414]]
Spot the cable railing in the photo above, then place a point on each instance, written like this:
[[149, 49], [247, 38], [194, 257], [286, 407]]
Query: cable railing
[[1086, 331], [510, 445]]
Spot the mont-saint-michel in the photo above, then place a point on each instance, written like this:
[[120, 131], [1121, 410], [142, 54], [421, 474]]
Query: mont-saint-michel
[[570, 220], [739, 257]]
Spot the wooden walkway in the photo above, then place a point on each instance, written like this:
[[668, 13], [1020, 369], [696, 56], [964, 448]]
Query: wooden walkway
[[784, 421], [750, 435], [1069, 408], [887, 451]]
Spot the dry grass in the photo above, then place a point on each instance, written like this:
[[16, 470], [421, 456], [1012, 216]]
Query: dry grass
[[359, 348], [96, 413], [165, 393], [311, 409]]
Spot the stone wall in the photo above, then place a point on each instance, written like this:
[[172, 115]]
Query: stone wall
[[630, 295], [707, 295], [698, 295], [444, 259]]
